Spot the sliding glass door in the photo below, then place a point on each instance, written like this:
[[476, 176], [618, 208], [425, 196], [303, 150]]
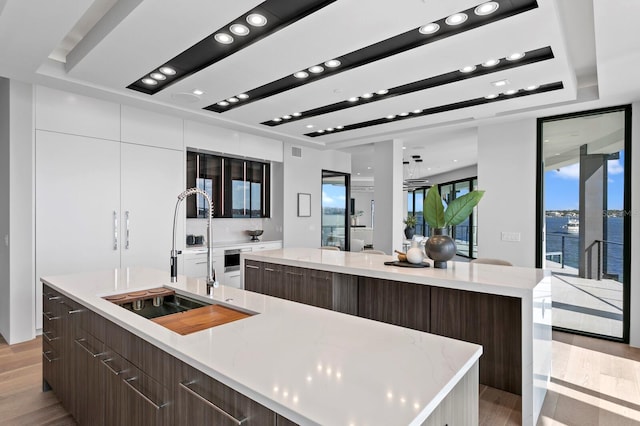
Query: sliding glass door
[[584, 224]]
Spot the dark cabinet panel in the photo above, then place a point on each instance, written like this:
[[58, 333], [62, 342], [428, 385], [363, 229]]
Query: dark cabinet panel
[[253, 276], [345, 293], [89, 381], [274, 282], [316, 288], [203, 400], [394, 302], [282, 421], [489, 320]]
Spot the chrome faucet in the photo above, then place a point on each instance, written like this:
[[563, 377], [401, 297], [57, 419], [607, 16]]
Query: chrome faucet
[[211, 270]]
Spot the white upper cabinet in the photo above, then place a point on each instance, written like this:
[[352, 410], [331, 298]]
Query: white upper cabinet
[[150, 128], [211, 138], [65, 112]]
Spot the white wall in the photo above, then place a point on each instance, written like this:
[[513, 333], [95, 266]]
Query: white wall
[[5, 223], [305, 175], [634, 338], [16, 196], [507, 172]]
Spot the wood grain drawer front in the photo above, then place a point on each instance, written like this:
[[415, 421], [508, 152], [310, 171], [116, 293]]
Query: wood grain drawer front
[[253, 276], [393, 302], [493, 321], [89, 380], [51, 369], [316, 289], [203, 400], [283, 421]]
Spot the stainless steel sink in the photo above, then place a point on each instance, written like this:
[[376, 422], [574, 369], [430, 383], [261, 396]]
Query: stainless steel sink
[[153, 308]]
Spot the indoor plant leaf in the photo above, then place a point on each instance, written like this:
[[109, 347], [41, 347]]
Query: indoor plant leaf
[[433, 209], [460, 208]]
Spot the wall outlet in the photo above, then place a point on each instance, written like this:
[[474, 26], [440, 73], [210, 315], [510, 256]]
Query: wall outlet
[[511, 236]]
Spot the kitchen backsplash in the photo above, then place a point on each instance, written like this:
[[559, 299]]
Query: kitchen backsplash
[[235, 229]]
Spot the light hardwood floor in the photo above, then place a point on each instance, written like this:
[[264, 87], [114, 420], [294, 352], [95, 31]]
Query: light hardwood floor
[[594, 382]]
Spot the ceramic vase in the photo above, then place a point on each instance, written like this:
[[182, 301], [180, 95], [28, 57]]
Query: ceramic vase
[[409, 232], [440, 248]]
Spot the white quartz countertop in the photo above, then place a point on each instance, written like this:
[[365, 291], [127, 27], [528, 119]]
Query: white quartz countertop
[[228, 244], [311, 365], [492, 279]]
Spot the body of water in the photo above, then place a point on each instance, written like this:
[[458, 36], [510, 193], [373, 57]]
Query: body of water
[[557, 231]]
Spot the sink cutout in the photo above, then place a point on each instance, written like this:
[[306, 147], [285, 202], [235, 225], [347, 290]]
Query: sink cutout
[[178, 313]]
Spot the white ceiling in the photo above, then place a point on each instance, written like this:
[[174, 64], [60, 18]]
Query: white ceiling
[[596, 46]]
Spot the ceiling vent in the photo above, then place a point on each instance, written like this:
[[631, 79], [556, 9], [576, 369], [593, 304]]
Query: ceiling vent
[[296, 151]]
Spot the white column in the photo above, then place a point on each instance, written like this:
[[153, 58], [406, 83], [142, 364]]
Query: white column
[[388, 226]]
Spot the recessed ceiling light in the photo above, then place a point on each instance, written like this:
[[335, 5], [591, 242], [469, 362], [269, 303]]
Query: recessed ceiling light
[[223, 103], [197, 92], [309, 126], [369, 168], [330, 129], [158, 76], [491, 63], [149, 81], [353, 99], [429, 28], [532, 87], [456, 19], [256, 20], [468, 68], [239, 29], [233, 100], [316, 69], [455, 161], [167, 71], [491, 96], [301, 74], [223, 38], [320, 131], [390, 117], [500, 83], [339, 127], [404, 114], [382, 92], [277, 119], [487, 8], [296, 114], [358, 173], [332, 63], [515, 56], [404, 147], [286, 117], [417, 111], [242, 96], [511, 92], [367, 95]]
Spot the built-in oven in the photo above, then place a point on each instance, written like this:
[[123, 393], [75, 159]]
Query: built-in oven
[[232, 259]]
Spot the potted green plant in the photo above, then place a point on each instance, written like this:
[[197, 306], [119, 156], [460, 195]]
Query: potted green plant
[[440, 247], [410, 229]]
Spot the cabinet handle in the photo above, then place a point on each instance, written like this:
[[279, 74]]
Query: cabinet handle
[[54, 298], [145, 397], [49, 339], [185, 386], [269, 269], [80, 341], [202, 263], [106, 364], [46, 356], [48, 316], [251, 267], [298, 274], [72, 311], [115, 230], [126, 221]]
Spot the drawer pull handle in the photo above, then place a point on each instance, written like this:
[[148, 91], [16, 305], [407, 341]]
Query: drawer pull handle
[[54, 297], [145, 397], [49, 317], [185, 386], [298, 274], [269, 269], [106, 364], [49, 339], [252, 267], [46, 356], [75, 311], [80, 342]]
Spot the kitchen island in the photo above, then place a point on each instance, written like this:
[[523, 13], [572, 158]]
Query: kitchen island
[[288, 363], [505, 309]]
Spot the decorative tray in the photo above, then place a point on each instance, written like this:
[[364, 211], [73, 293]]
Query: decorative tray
[[407, 264]]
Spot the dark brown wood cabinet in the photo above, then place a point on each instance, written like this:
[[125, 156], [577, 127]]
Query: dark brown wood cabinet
[[393, 302], [253, 277], [203, 400], [489, 320]]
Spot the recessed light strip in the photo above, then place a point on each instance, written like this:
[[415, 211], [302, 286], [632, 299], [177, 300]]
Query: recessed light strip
[[411, 39], [260, 22], [529, 57], [442, 108]]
